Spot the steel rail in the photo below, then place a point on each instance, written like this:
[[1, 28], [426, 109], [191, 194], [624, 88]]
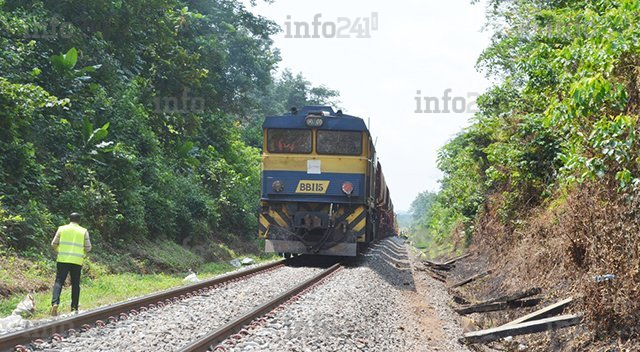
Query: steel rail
[[208, 341], [12, 341]]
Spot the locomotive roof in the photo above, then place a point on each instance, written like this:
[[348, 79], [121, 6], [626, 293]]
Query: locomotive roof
[[332, 120]]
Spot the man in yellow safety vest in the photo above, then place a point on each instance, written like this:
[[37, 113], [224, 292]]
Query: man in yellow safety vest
[[72, 243]]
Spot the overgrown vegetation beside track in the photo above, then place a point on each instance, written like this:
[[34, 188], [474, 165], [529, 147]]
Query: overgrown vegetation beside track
[[100, 287], [144, 116], [546, 179]]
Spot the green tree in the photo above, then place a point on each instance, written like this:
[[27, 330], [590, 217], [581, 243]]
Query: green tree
[[280, 96], [133, 113], [562, 112], [421, 205]]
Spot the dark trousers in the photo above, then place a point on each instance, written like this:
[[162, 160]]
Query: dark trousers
[[61, 276]]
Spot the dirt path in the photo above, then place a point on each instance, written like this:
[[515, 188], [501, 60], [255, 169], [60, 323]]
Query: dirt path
[[431, 314]]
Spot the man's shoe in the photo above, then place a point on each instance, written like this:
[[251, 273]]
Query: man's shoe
[[54, 310], [74, 310]]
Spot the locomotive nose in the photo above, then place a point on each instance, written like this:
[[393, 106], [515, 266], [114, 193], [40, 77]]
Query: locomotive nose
[[312, 222]]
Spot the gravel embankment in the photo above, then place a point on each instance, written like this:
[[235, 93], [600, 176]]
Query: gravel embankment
[[175, 325], [373, 305]]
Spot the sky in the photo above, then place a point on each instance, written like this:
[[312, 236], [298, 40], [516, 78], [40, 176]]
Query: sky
[[428, 46]]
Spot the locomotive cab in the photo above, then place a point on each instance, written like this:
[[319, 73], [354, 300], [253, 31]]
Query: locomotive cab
[[318, 183]]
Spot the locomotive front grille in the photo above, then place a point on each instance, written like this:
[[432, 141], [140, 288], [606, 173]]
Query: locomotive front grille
[[310, 220], [307, 223]]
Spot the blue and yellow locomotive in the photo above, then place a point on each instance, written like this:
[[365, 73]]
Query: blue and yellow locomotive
[[323, 191]]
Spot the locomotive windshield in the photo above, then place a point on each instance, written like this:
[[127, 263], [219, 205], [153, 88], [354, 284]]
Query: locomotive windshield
[[289, 141], [339, 142]]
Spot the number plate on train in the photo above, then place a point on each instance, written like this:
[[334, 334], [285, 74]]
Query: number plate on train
[[312, 186]]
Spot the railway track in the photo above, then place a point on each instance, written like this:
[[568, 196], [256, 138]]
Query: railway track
[[209, 341], [19, 340], [35, 337]]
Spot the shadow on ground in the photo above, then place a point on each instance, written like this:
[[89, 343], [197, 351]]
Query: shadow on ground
[[389, 259]]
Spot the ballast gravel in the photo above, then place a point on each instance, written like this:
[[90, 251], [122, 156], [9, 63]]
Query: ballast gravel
[[371, 305], [178, 324], [376, 303]]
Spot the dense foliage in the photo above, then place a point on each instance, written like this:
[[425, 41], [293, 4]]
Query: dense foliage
[[547, 175], [564, 110], [142, 115]]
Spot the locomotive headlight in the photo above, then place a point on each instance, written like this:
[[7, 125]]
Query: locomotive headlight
[[347, 188], [278, 186], [314, 121]]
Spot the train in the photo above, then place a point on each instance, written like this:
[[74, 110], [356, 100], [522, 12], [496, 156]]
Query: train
[[323, 189]]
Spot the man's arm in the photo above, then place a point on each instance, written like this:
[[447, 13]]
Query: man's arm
[[56, 240], [87, 242]]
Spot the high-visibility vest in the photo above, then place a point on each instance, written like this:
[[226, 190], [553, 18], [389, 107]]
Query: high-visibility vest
[[71, 247]]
